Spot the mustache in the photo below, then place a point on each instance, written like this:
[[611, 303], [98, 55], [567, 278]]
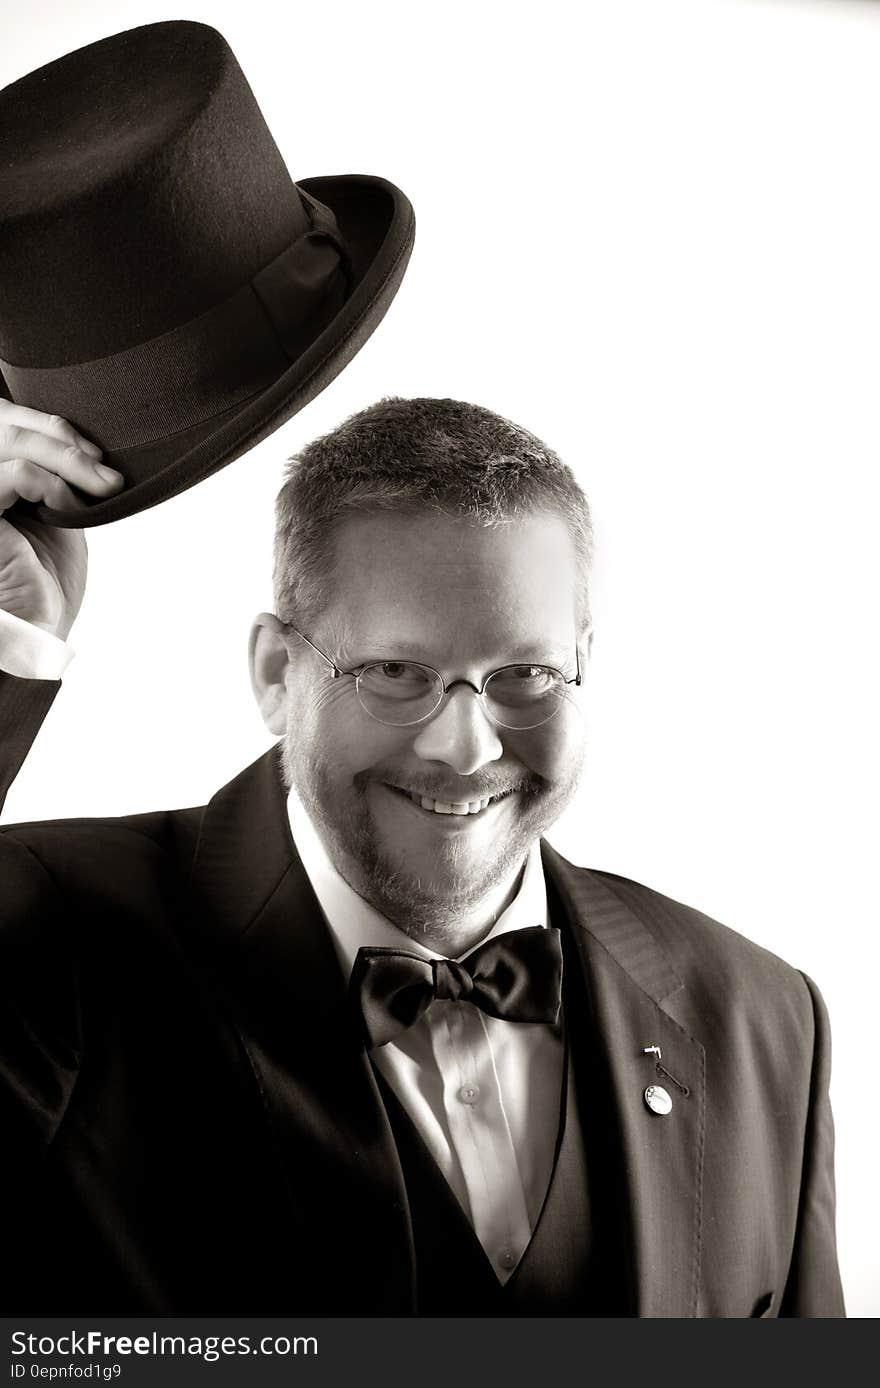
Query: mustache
[[475, 789]]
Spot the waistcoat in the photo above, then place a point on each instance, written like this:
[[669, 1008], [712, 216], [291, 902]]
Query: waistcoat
[[575, 1263]]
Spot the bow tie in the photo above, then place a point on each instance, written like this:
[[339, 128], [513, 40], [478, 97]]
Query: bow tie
[[517, 977]]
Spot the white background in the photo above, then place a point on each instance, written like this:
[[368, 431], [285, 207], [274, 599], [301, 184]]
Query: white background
[[649, 232]]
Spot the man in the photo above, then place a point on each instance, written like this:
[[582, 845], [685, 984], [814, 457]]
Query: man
[[305, 1050]]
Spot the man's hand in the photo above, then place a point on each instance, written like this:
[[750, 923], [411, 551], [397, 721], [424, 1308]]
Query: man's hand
[[43, 568]]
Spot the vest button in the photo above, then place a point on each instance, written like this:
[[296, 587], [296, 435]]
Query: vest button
[[469, 1093]]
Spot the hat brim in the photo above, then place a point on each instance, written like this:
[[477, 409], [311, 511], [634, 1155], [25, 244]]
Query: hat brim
[[378, 225]]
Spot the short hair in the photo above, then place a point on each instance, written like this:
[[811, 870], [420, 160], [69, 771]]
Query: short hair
[[415, 456]]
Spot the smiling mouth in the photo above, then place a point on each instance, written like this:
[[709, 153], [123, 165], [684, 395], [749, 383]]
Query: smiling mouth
[[453, 807]]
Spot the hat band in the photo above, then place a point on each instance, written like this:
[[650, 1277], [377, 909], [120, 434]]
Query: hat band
[[205, 366]]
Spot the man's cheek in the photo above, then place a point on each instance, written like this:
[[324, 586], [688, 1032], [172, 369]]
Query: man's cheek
[[342, 758], [553, 752]]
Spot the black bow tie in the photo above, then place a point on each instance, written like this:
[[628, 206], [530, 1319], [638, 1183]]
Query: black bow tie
[[517, 977]]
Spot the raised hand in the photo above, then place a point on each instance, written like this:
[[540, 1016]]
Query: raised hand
[[43, 568]]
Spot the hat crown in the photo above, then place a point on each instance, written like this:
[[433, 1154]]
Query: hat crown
[[140, 186]]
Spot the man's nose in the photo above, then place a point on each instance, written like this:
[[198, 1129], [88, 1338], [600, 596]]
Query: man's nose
[[460, 734]]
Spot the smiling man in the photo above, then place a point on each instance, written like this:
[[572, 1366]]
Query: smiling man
[[353, 1039], [431, 802]]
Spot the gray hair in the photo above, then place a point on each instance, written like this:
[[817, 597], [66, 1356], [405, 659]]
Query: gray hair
[[414, 456]]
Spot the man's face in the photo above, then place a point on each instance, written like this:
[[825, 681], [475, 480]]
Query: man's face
[[465, 600]]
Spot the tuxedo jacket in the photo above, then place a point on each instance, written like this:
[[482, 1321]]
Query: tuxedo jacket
[[191, 1124]]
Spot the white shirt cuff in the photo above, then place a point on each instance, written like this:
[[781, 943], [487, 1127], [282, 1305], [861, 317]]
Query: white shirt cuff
[[30, 652]]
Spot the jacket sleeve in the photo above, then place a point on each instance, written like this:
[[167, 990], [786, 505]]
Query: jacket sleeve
[[23, 706], [813, 1288], [40, 1032]]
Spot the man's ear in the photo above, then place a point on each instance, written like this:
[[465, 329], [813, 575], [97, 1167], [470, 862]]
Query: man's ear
[[268, 659]]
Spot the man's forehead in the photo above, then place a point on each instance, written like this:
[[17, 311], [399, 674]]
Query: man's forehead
[[402, 573]]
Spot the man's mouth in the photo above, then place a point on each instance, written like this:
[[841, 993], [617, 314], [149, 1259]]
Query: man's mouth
[[454, 807]]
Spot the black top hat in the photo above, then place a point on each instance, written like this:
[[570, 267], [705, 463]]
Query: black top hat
[[164, 285]]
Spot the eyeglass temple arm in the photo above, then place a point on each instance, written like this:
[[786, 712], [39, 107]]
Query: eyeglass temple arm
[[334, 668], [579, 678]]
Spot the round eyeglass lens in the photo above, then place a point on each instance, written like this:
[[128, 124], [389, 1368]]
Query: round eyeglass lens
[[524, 696], [399, 692]]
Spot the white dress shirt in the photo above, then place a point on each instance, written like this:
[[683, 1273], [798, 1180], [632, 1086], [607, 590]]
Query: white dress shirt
[[30, 652], [483, 1094]]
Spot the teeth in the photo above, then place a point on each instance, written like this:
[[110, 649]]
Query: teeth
[[460, 807]]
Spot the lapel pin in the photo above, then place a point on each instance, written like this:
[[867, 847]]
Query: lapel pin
[[662, 1070], [657, 1099]]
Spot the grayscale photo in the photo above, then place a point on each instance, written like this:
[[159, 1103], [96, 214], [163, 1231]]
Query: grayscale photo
[[437, 689]]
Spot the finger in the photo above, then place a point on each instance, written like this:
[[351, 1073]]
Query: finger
[[22, 480], [51, 424], [66, 460]]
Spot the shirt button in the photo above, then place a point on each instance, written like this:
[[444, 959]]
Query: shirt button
[[507, 1258], [469, 1093]]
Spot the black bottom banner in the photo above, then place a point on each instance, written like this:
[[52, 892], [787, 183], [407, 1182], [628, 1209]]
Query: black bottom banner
[[262, 1352]]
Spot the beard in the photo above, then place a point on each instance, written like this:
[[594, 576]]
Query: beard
[[424, 905]]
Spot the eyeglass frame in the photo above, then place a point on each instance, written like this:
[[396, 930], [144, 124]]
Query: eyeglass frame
[[358, 671]]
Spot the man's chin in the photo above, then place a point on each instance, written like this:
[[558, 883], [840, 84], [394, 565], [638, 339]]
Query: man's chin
[[424, 887], [426, 872], [432, 907]]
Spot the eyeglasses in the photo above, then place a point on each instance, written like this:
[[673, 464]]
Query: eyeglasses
[[402, 693]]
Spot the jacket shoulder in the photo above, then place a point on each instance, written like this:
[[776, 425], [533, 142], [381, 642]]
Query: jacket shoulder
[[168, 830], [741, 998], [727, 973], [689, 934], [96, 862]]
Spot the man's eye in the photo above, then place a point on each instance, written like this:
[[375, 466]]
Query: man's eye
[[522, 682], [403, 672]]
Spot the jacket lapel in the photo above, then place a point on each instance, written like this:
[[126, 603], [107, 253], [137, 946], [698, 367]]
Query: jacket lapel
[[257, 926], [631, 983]]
